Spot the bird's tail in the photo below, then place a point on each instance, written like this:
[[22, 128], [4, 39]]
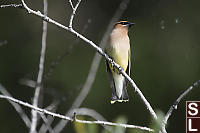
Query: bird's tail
[[124, 95]]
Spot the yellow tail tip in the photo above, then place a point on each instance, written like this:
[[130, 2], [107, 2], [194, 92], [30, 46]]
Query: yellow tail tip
[[120, 101]]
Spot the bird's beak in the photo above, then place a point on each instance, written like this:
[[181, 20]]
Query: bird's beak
[[130, 24]]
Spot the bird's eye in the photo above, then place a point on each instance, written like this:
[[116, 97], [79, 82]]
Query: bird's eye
[[124, 23]]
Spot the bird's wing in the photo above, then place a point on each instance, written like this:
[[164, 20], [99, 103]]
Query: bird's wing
[[128, 70], [110, 76], [112, 83]]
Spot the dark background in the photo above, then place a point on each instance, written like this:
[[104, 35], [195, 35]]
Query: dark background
[[165, 48]]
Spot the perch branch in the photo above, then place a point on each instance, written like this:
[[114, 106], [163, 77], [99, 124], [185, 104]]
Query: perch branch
[[43, 111], [94, 66], [99, 50]]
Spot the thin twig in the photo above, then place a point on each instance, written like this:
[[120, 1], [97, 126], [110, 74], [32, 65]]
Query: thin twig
[[40, 73], [88, 112], [11, 5], [18, 108], [40, 110], [67, 52], [48, 125], [175, 105], [47, 120], [92, 113], [52, 66], [73, 12], [94, 66], [99, 50], [28, 82], [43, 128], [71, 4], [3, 43], [50, 119]]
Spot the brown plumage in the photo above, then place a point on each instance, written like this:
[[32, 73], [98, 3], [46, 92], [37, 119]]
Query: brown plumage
[[118, 48]]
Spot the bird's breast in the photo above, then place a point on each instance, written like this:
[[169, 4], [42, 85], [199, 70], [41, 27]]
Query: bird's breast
[[120, 52]]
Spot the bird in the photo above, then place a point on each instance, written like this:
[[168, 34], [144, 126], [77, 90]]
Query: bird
[[118, 49]]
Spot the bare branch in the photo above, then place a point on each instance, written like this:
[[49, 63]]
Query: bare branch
[[40, 73], [39, 110], [175, 105], [28, 82], [50, 119], [92, 113], [17, 107], [88, 112], [11, 5], [47, 121], [71, 4], [47, 124], [94, 66], [99, 50], [73, 12], [3, 43], [43, 128]]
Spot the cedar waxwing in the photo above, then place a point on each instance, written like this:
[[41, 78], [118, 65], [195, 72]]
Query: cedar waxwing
[[118, 48]]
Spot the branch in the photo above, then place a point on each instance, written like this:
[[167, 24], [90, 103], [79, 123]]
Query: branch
[[17, 107], [47, 123], [3, 43], [88, 112], [43, 128], [67, 52], [50, 119], [99, 50], [43, 111], [92, 113], [71, 4], [50, 70], [40, 73], [175, 105], [12, 5], [28, 82], [94, 66], [73, 12]]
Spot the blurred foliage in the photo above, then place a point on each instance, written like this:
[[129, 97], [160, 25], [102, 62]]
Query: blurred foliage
[[80, 127], [165, 58], [156, 124], [120, 119], [94, 128]]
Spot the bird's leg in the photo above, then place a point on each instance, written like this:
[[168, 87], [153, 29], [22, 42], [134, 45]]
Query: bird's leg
[[112, 63], [120, 69]]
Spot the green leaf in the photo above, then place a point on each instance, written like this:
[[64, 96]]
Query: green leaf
[[80, 127]]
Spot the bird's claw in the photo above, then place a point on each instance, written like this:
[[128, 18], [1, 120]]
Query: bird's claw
[[112, 63]]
